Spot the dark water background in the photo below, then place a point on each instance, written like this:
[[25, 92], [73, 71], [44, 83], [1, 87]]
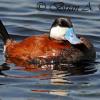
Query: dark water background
[[22, 19]]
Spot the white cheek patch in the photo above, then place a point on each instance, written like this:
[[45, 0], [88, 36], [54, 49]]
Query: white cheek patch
[[58, 32]]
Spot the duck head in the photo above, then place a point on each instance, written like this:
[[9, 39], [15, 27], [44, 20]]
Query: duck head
[[62, 29]]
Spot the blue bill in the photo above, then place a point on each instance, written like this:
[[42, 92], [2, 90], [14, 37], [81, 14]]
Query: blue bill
[[71, 36]]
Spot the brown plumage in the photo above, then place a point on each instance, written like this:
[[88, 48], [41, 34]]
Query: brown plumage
[[42, 50], [35, 47]]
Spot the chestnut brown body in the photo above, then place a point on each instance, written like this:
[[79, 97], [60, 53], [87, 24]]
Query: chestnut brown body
[[42, 50]]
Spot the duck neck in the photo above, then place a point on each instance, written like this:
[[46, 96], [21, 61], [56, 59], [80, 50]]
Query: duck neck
[[82, 47]]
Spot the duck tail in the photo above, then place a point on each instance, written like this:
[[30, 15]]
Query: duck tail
[[3, 33]]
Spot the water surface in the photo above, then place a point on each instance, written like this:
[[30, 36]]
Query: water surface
[[22, 18]]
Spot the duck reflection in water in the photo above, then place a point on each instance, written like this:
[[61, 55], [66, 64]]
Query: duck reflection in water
[[59, 75], [69, 69]]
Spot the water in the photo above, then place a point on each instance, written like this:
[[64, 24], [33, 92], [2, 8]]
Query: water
[[23, 19]]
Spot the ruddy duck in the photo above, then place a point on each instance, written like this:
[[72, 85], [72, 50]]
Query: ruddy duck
[[61, 45]]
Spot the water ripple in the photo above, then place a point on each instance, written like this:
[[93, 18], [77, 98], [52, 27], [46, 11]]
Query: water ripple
[[23, 19]]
